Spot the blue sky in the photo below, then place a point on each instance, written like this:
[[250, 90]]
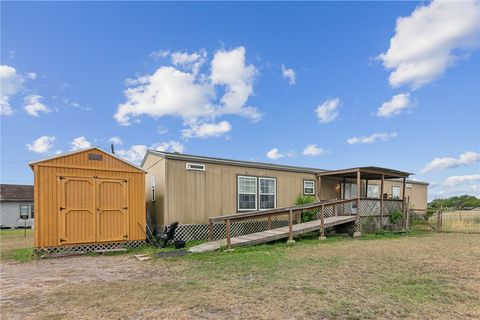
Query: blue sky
[[327, 85]]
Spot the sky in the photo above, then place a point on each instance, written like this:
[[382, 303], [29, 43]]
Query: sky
[[325, 85]]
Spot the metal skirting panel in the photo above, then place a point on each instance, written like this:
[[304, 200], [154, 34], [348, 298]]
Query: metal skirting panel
[[87, 247]]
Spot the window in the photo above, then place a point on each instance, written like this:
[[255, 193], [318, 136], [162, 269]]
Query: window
[[247, 193], [395, 192], [153, 188], [24, 211], [195, 166], [309, 187], [373, 191], [267, 192], [32, 211]]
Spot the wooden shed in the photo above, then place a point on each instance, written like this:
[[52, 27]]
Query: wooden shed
[[89, 199]]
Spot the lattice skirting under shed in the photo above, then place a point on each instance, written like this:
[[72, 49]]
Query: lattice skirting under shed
[[87, 247]]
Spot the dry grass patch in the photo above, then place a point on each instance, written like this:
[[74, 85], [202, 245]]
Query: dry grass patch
[[391, 277]]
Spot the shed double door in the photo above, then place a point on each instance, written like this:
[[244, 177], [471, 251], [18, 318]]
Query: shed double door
[[92, 210]]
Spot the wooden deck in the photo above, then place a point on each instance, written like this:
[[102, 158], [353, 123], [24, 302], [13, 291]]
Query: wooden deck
[[273, 234]]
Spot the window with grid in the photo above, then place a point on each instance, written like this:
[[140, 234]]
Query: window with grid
[[24, 211], [267, 193], [309, 187], [247, 193], [373, 191], [395, 192]]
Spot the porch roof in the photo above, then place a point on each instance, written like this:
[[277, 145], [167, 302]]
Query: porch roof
[[370, 173]]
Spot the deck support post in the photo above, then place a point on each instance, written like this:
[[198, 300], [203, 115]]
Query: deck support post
[[357, 232], [229, 240], [382, 181], [404, 184], [290, 227], [210, 231], [322, 223], [269, 222]]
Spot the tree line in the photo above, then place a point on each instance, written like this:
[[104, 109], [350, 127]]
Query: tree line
[[457, 202]]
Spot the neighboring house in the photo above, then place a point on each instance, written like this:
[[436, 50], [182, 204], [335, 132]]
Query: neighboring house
[[190, 189], [16, 202]]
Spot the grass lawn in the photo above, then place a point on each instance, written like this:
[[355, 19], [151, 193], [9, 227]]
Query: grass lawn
[[420, 276]]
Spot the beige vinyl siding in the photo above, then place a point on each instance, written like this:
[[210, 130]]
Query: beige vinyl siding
[[194, 196]]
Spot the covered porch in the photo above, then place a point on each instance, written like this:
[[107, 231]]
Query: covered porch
[[365, 188]]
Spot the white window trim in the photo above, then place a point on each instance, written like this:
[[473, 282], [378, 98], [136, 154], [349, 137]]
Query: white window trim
[[309, 194], [268, 194], [399, 192], [256, 193], [378, 188], [189, 165]]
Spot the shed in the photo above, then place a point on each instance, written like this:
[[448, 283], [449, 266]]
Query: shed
[[88, 197]]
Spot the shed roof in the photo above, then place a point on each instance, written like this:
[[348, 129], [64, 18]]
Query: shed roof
[[66, 154], [16, 192]]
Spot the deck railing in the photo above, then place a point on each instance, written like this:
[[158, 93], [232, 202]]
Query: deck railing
[[326, 208]]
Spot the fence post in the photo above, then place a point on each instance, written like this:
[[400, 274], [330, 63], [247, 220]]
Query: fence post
[[227, 229], [438, 221], [322, 223], [210, 231], [290, 227]]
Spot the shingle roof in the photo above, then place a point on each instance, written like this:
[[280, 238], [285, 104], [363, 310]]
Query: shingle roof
[[16, 192]]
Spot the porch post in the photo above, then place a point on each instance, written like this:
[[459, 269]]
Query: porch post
[[357, 232], [366, 188], [319, 188], [403, 201], [381, 200]]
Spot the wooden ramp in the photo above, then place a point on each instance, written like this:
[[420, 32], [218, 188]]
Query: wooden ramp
[[273, 234]]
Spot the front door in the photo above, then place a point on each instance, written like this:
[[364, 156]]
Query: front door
[[350, 192]]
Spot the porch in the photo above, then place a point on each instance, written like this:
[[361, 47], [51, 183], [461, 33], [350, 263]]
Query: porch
[[365, 188]]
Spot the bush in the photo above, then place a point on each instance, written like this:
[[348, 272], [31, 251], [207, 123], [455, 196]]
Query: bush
[[308, 215], [395, 217]]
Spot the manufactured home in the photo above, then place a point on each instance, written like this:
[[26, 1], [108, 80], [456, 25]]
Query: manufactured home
[[88, 199], [16, 206], [191, 189]]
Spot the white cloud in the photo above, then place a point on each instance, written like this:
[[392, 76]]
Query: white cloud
[[465, 179], [10, 83], [430, 40], [80, 143], [464, 159], [312, 150], [42, 144], [162, 129], [327, 111], [206, 130], [191, 62], [32, 75], [395, 106], [372, 138], [275, 154], [167, 91], [33, 105], [136, 153], [115, 140], [169, 146], [230, 70], [190, 96], [455, 186], [159, 54], [289, 74]]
